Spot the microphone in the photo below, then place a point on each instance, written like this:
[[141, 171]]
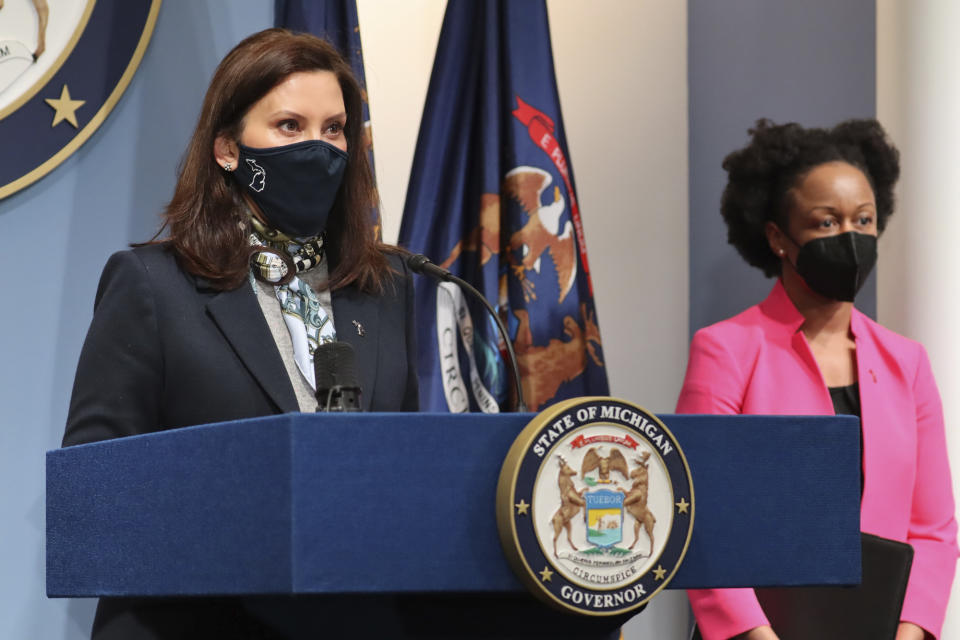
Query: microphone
[[421, 264], [335, 371]]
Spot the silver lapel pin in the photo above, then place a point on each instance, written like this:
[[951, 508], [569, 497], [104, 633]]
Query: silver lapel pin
[[360, 330]]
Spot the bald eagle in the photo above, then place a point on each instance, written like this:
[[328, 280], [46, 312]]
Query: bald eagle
[[614, 462]]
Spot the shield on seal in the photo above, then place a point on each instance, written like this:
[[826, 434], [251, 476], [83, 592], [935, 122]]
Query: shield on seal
[[604, 514]]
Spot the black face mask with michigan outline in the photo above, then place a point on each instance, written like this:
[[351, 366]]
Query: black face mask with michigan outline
[[837, 266], [294, 185]]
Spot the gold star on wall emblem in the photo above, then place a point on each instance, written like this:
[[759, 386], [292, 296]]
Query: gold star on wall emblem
[[522, 507], [659, 572], [65, 108], [682, 505], [546, 574]]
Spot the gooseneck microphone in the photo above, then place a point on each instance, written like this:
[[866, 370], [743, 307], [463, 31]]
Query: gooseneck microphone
[[420, 263], [335, 371]]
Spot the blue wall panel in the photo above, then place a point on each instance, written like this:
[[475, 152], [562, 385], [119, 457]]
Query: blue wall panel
[[57, 236]]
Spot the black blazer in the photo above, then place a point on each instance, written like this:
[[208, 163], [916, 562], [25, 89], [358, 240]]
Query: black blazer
[[166, 350]]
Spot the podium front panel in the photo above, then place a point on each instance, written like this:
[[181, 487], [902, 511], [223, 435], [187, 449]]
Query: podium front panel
[[401, 503]]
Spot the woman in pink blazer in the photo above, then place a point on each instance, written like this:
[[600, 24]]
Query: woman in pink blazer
[[806, 205]]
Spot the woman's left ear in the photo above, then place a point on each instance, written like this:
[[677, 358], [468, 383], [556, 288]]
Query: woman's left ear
[[226, 153]]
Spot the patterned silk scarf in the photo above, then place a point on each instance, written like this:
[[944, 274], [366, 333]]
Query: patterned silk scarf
[[308, 323]]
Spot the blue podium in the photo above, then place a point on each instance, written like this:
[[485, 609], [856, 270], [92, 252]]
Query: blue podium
[[404, 503]]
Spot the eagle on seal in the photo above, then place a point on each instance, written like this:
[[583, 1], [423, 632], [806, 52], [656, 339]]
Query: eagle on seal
[[605, 465]]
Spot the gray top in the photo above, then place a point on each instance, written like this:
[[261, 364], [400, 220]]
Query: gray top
[[267, 297]]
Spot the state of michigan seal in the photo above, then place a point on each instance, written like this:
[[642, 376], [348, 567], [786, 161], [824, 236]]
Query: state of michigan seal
[[595, 506], [63, 66]]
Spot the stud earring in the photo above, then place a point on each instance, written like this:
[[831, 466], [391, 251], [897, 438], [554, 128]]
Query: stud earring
[[227, 167], [781, 252]]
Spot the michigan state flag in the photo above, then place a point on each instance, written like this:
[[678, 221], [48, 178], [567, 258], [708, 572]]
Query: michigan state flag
[[492, 198], [336, 21]]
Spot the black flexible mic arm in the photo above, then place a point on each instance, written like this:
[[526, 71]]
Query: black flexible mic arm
[[420, 263]]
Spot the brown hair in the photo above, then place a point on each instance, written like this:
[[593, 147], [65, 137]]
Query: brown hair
[[206, 217]]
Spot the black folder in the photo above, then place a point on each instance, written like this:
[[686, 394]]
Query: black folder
[[868, 611]]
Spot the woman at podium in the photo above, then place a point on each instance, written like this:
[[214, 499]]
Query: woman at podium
[[806, 206], [270, 253]]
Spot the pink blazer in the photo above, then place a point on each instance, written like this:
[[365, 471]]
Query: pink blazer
[[759, 362]]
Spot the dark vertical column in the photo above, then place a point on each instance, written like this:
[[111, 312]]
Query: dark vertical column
[[812, 62]]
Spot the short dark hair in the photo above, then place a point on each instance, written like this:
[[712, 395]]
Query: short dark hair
[[761, 175], [205, 217]]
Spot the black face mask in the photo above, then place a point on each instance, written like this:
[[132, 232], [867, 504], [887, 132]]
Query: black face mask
[[294, 185], [837, 266]]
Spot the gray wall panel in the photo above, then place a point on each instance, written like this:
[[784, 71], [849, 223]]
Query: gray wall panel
[[812, 62]]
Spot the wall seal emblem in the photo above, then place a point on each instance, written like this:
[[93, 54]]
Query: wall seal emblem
[[63, 66], [595, 506]]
